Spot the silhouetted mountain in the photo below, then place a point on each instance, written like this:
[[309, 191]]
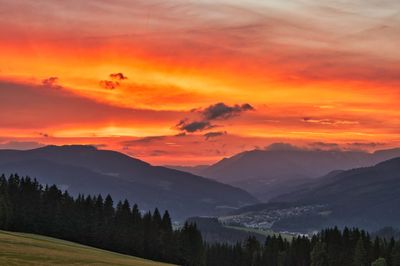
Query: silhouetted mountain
[[269, 173], [366, 197], [196, 170], [84, 169]]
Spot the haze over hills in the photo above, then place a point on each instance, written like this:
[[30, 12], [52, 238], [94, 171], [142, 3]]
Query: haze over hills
[[282, 168], [84, 169], [365, 197]]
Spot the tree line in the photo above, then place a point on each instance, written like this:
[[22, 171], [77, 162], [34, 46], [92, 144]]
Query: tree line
[[330, 247], [27, 206]]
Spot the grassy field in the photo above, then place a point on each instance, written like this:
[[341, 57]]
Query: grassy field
[[29, 249]]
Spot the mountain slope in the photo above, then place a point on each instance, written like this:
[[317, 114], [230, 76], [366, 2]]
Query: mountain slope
[[368, 185], [268, 173], [30, 249], [84, 169], [365, 197]]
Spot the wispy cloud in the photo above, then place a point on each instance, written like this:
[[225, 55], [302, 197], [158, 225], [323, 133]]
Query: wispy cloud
[[214, 134]]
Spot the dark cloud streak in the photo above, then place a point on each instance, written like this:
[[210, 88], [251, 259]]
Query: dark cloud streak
[[50, 82], [218, 111], [185, 125], [118, 76], [214, 134], [223, 111]]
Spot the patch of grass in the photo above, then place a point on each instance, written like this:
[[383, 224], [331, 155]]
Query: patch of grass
[[30, 249]]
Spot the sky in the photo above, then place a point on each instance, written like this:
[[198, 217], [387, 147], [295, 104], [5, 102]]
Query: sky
[[180, 82]]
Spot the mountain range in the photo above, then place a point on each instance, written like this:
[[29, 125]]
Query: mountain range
[[281, 169], [85, 169], [366, 197]]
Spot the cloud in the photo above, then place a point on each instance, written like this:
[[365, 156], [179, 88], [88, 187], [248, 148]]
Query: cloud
[[281, 146], [44, 134], [185, 125], [144, 140], [118, 76], [21, 145], [50, 82], [183, 134], [108, 84], [40, 109], [325, 145], [115, 81], [366, 144], [328, 121], [214, 134], [218, 111], [223, 111], [159, 153]]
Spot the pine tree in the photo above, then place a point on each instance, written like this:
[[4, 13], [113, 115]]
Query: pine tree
[[360, 254], [122, 226], [395, 255], [191, 246], [319, 255], [137, 234], [166, 224], [252, 249], [376, 249], [5, 208], [167, 237]]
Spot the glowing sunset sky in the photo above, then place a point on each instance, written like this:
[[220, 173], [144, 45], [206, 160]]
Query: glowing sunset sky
[[189, 82]]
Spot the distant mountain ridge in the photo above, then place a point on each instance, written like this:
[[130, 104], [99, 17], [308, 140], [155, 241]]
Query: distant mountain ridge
[[269, 173], [196, 169], [85, 169], [367, 197]]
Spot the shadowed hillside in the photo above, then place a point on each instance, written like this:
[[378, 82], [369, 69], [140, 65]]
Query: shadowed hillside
[[365, 197], [277, 170], [84, 169]]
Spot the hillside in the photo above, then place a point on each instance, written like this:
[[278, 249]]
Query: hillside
[[366, 197], [84, 169], [214, 231], [30, 249], [271, 172]]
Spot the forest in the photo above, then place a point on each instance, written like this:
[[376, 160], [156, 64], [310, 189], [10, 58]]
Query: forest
[[27, 206]]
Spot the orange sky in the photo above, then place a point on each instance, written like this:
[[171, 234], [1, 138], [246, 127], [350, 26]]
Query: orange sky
[[319, 75]]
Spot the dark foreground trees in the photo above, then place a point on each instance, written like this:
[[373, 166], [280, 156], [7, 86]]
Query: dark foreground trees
[[28, 207], [331, 247], [93, 220]]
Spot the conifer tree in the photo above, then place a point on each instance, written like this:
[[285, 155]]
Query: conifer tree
[[360, 254], [191, 246], [319, 255], [395, 255]]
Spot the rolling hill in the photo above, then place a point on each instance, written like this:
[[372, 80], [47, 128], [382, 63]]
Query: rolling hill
[[271, 172], [85, 169], [30, 249]]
